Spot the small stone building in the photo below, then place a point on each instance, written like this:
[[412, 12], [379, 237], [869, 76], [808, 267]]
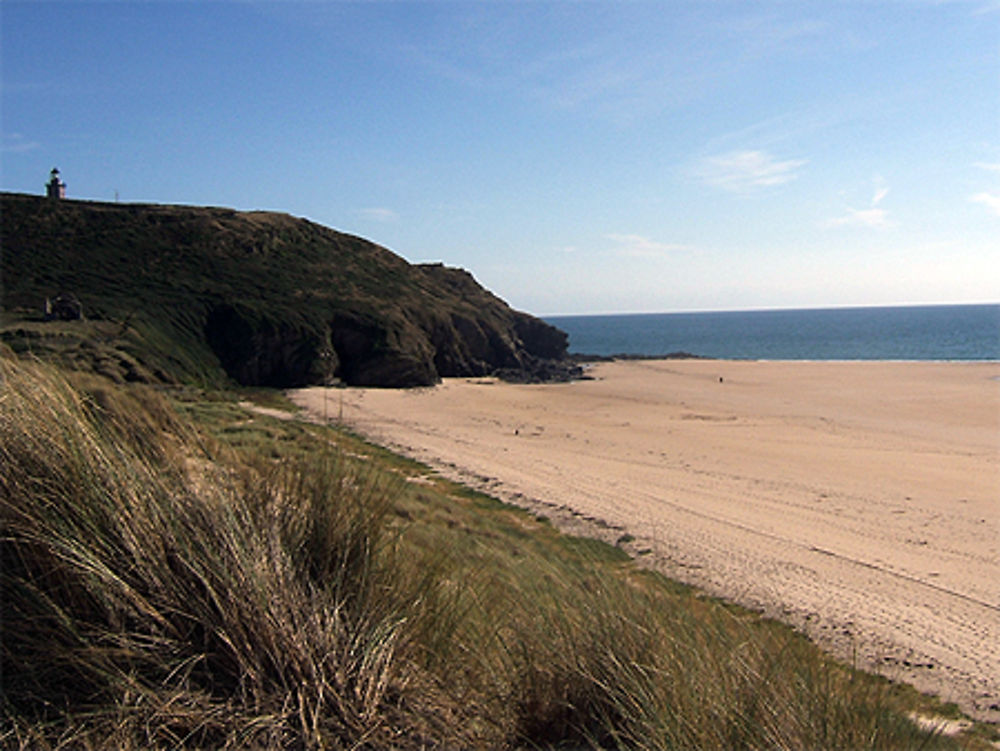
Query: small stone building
[[63, 307]]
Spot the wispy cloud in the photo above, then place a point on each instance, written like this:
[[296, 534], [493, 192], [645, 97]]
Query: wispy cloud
[[741, 171], [881, 191], [987, 6], [990, 200], [874, 216], [15, 143], [637, 246], [621, 62], [378, 214], [764, 34]]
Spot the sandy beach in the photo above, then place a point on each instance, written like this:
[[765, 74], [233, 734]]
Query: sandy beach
[[859, 502]]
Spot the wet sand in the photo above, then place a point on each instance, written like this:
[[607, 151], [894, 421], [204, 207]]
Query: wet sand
[[859, 502]]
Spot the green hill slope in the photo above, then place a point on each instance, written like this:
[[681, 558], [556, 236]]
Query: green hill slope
[[177, 293]]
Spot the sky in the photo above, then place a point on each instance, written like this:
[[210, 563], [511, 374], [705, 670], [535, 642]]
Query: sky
[[576, 157]]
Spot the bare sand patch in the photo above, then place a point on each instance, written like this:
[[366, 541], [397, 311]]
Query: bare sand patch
[[858, 501]]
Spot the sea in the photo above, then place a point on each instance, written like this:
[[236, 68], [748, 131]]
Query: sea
[[915, 332]]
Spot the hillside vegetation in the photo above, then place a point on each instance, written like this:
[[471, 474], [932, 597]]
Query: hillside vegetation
[[183, 573], [192, 294]]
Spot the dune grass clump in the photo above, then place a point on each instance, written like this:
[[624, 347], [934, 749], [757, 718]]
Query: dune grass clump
[[162, 589], [155, 598], [591, 659]]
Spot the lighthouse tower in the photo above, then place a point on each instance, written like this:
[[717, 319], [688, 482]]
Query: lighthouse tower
[[55, 188]]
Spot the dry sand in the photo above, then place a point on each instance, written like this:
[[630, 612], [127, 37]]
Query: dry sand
[[858, 501]]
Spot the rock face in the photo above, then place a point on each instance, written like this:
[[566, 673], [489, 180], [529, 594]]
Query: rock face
[[261, 353], [412, 347], [267, 299]]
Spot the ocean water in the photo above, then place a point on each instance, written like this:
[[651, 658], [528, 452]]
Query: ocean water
[[935, 332]]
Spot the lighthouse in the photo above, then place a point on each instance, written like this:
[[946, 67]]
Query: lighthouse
[[55, 188]]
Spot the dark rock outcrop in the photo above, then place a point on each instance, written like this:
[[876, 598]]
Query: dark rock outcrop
[[539, 370], [380, 352], [261, 352]]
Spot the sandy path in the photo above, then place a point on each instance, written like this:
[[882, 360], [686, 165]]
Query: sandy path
[[858, 501]]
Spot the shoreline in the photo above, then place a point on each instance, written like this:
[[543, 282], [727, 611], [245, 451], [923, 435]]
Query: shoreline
[[597, 359], [849, 499]]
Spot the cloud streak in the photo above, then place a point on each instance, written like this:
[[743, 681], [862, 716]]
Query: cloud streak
[[873, 217], [744, 171], [990, 200], [637, 246], [15, 143], [378, 214], [621, 62]]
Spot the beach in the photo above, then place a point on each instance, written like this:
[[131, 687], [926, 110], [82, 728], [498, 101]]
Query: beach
[[857, 501]]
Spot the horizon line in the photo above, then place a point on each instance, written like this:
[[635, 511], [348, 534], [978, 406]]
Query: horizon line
[[776, 308]]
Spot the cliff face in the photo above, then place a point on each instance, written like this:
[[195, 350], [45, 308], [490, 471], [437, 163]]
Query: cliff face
[[265, 298]]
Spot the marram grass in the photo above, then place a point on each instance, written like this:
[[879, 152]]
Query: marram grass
[[154, 595], [163, 591]]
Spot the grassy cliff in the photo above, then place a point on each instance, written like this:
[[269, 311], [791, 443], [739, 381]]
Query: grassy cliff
[[173, 293]]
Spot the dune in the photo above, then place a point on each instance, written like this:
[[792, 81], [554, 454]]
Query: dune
[[857, 501]]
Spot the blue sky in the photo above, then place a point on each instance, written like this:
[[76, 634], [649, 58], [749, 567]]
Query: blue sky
[[577, 157]]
